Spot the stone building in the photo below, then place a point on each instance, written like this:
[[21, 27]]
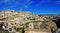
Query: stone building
[[16, 20]]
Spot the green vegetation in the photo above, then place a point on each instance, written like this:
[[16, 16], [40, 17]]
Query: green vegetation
[[20, 30], [3, 31]]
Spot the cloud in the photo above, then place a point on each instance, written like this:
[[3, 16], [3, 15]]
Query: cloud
[[28, 4]]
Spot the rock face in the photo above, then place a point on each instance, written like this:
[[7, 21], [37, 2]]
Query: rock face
[[13, 20]]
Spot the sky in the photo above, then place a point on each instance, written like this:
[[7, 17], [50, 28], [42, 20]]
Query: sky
[[34, 6]]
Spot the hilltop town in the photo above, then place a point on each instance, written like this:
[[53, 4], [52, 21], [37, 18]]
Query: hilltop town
[[26, 22]]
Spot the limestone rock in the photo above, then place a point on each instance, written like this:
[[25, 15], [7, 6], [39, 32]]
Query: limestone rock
[[22, 19]]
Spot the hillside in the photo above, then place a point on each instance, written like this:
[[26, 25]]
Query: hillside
[[20, 22]]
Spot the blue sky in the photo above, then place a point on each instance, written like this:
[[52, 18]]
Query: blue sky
[[34, 6]]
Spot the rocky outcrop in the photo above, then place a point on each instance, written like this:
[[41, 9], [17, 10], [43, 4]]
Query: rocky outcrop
[[15, 20]]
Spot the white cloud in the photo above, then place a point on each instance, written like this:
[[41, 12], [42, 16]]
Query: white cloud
[[28, 4]]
